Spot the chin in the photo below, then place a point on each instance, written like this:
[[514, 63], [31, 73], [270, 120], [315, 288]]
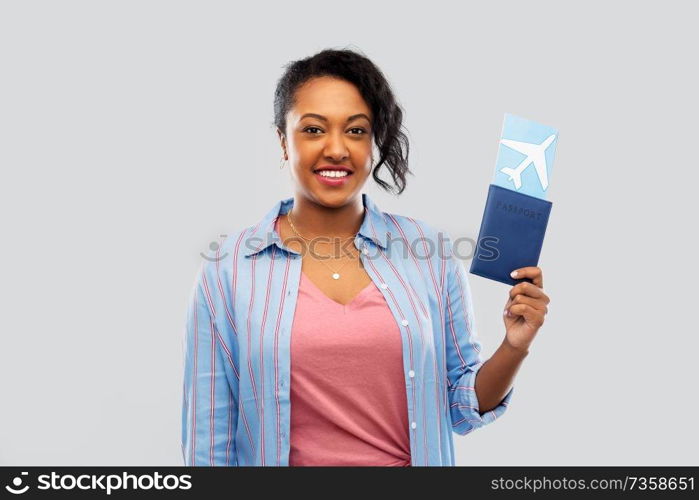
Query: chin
[[335, 199]]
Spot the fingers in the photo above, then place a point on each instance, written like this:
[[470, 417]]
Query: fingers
[[530, 290], [534, 317], [538, 304], [532, 272]]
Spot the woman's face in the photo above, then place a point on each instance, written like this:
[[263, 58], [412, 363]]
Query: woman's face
[[328, 127]]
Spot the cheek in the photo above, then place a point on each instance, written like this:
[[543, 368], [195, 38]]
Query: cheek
[[309, 153], [361, 152]]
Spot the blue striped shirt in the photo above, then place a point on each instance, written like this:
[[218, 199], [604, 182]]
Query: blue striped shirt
[[236, 404]]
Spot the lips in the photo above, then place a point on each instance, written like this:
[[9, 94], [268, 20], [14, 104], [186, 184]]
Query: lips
[[331, 181], [341, 168]]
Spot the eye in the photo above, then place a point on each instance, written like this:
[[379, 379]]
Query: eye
[[311, 128], [360, 129]]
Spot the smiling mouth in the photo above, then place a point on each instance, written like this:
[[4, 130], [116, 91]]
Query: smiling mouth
[[333, 169], [334, 179], [333, 174]]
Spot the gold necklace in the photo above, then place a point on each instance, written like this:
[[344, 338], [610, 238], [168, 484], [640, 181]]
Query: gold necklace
[[335, 274]]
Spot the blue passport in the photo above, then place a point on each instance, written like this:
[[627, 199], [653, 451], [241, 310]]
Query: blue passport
[[511, 234]]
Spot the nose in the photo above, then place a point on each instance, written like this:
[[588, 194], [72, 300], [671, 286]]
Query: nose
[[335, 147]]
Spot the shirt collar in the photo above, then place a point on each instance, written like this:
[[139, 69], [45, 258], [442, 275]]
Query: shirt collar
[[263, 234]]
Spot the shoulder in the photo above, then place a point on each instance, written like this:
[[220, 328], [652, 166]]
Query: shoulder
[[219, 272], [223, 255], [412, 228], [424, 238]]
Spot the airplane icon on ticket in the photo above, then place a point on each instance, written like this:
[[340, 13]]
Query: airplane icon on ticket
[[535, 155]]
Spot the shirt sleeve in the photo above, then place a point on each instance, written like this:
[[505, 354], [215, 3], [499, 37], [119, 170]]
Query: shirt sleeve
[[463, 352], [209, 401]]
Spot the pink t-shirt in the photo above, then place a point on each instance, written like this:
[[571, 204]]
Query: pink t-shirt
[[348, 400]]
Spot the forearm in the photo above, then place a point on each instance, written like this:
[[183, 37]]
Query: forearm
[[497, 374]]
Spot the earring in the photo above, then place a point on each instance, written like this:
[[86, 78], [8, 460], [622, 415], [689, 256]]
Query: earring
[[281, 164]]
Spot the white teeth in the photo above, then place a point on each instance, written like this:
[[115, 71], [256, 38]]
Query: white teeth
[[333, 173]]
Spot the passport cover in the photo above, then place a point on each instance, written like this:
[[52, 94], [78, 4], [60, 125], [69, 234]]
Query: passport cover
[[511, 234]]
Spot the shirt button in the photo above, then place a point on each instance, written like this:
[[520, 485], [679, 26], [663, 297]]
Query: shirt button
[[384, 285], [283, 383], [413, 425], [404, 322], [366, 251], [411, 373]]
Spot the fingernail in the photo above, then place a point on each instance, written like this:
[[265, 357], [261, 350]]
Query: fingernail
[[513, 274], [504, 313]]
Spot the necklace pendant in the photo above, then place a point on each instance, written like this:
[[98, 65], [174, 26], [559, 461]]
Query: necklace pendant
[[336, 276]]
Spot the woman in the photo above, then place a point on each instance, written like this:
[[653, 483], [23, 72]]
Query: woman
[[330, 332]]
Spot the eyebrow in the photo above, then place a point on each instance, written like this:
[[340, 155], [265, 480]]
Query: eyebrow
[[321, 117]]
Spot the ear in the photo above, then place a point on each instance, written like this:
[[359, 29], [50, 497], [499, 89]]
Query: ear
[[282, 141]]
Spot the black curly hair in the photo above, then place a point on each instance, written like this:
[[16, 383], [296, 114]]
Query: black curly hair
[[359, 70]]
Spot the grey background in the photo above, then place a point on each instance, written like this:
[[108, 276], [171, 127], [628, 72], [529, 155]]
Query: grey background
[[132, 134]]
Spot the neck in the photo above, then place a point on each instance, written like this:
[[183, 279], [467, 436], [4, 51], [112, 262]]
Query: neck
[[317, 221]]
